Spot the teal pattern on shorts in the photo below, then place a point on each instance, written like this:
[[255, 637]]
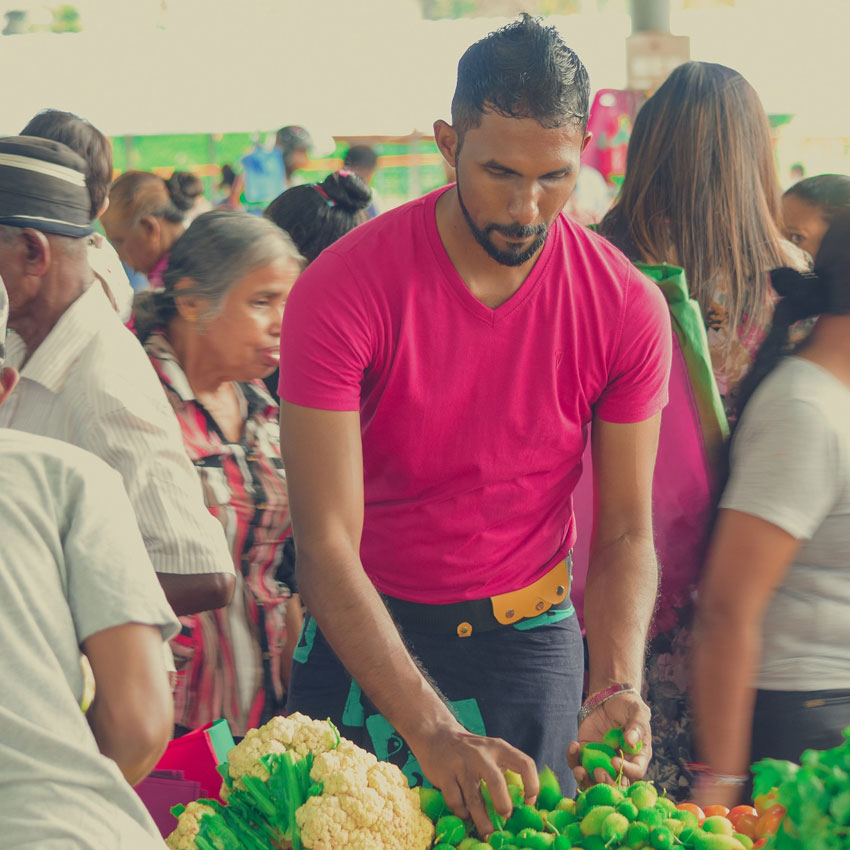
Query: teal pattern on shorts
[[305, 641]]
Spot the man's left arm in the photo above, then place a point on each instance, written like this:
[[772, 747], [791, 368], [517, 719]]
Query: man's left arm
[[622, 583]]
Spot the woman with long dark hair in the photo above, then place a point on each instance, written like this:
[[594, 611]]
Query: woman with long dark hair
[[771, 665], [700, 210]]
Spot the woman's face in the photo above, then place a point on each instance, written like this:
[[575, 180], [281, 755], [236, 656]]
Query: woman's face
[[244, 338], [805, 224]]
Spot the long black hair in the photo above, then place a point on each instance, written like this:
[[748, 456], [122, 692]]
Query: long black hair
[[823, 291]]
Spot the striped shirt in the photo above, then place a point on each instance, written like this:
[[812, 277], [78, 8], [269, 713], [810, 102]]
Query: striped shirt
[[89, 383], [228, 661]]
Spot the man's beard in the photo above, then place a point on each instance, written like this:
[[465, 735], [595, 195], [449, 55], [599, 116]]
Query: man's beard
[[512, 256]]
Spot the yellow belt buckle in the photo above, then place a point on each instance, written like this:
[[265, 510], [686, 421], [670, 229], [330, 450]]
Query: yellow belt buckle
[[535, 599]]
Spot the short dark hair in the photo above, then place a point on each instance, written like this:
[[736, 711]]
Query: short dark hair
[[360, 156], [84, 139], [523, 70], [827, 192]]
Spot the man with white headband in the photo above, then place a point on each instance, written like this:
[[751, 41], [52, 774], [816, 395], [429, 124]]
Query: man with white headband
[[85, 379], [74, 574]]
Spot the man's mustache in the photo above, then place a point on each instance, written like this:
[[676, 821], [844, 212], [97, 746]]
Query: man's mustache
[[517, 231]]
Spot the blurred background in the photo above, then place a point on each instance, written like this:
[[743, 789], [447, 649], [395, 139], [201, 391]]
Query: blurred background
[[195, 84]]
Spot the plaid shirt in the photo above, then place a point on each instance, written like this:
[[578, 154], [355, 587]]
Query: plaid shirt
[[225, 668]]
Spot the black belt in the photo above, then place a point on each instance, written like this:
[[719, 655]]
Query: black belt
[[463, 619]]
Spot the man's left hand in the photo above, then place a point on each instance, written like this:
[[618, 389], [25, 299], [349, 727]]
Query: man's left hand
[[631, 713]]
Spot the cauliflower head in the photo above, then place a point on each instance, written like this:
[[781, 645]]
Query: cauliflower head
[[296, 733], [188, 826], [364, 805]]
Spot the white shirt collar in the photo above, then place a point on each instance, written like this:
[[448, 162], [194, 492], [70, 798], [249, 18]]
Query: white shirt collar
[[51, 362]]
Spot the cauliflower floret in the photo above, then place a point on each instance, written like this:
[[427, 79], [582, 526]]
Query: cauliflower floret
[[188, 825], [296, 733], [365, 805]]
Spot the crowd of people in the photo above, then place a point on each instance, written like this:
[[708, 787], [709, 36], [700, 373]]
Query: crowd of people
[[327, 459]]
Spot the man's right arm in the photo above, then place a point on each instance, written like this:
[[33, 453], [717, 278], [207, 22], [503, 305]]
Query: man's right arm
[[322, 454], [186, 544]]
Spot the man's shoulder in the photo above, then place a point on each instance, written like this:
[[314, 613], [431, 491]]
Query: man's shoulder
[[23, 453], [581, 244]]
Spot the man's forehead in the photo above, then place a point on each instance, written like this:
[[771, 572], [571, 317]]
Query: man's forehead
[[504, 138]]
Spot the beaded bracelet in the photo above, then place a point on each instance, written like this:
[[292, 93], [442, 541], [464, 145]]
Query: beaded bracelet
[[705, 775], [595, 700]]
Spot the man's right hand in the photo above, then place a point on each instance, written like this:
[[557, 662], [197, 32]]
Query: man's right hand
[[455, 761]]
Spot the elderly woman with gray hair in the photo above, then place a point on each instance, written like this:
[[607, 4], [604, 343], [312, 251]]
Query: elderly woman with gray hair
[[212, 332]]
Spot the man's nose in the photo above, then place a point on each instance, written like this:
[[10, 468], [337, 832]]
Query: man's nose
[[523, 207]]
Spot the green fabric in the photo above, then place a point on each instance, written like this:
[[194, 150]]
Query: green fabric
[[547, 618], [354, 714], [689, 326], [305, 641], [387, 742]]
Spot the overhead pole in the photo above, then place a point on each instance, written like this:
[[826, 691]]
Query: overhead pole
[[652, 51]]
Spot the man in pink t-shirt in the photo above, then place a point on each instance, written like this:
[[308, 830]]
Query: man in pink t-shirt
[[440, 369]]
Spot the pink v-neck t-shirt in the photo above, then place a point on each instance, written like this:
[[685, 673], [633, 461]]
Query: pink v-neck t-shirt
[[473, 419]]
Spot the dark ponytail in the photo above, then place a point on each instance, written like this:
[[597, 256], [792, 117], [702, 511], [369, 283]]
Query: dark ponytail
[[153, 309], [826, 290]]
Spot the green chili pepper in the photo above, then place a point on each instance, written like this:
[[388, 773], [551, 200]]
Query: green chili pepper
[[561, 819], [689, 819], [594, 756], [718, 825], [603, 795], [667, 806], [449, 829], [531, 839], [495, 818], [637, 835], [574, 833], [688, 835], [628, 809], [524, 817], [675, 826], [643, 794], [432, 803], [616, 739], [651, 816], [614, 829], [591, 823], [661, 838], [500, 838], [550, 790]]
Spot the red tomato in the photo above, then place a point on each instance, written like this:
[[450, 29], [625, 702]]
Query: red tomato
[[736, 813], [746, 824], [769, 822], [711, 811], [694, 809]]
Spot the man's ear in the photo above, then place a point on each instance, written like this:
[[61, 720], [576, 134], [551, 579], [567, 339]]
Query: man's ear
[[36, 255], [447, 141], [150, 226], [8, 380]]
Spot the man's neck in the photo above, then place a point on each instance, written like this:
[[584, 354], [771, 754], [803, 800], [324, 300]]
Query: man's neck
[[57, 294], [489, 281]]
